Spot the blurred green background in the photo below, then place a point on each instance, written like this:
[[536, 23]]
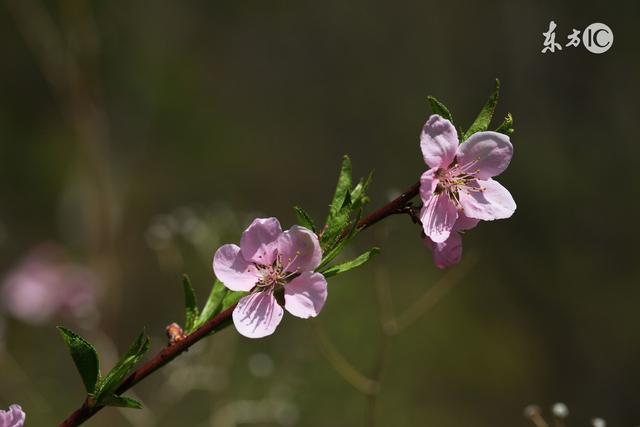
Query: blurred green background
[[140, 136]]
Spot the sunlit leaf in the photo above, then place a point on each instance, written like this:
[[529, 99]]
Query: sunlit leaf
[[190, 302], [84, 356], [483, 120], [349, 265]]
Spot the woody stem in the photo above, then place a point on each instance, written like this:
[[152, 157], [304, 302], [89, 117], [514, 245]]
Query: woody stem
[[167, 354]]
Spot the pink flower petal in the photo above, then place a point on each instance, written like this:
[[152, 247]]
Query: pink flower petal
[[487, 152], [465, 223], [428, 184], [305, 295], [258, 241], [299, 249], [257, 315], [492, 202], [233, 270], [447, 253], [13, 417], [438, 141], [438, 215]]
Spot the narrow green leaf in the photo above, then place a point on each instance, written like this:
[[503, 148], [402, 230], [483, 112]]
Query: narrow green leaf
[[232, 298], [190, 303], [349, 265], [213, 305], [114, 378], [483, 120], [121, 401], [358, 194], [84, 356], [439, 108], [339, 222], [340, 242], [506, 127], [339, 210], [342, 188], [304, 219]]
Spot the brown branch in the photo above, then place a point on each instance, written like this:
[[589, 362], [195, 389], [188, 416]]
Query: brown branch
[[395, 206], [169, 353]]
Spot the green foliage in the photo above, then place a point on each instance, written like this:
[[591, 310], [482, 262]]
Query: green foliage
[[220, 299], [232, 298], [340, 243], [191, 305], [304, 219], [122, 402], [84, 356], [439, 108], [213, 304], [101, 391], [506, 127], [117, 375], [345, 212], [349, 265], [347, 204], [339, 209], [358, 196], [481, 123]]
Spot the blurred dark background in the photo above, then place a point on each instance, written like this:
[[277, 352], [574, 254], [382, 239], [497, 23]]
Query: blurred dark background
[[137, 137]]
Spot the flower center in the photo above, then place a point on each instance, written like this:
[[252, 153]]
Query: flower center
[[456, 178], [277, 274]]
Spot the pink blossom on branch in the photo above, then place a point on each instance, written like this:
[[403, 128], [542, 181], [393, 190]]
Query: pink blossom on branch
[[12, 417], [449, 253], [459, 179], [277, 268]]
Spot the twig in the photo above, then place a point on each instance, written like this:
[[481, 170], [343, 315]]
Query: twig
[[85, 412]]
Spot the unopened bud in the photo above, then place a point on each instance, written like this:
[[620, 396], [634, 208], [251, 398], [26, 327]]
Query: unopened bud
[[174, 333]]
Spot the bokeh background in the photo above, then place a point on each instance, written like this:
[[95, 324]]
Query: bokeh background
[[137, 137]]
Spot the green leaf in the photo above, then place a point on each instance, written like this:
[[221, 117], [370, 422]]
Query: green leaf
[[439, 108], [339, 243], [486, 114], [84, 356], [342, 188], [349, 265], [121, 401], [114, 378], [304, 219], [232, 298], [190, 303], [358, 194], [340, 208], [213, 306], [506, 127]]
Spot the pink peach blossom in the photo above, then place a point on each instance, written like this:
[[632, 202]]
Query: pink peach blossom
[[270, 263], [449, 253], [459, 179], [12, 417]]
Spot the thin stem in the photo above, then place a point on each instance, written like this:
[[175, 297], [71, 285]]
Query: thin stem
[[169, 353], [395, 206]]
